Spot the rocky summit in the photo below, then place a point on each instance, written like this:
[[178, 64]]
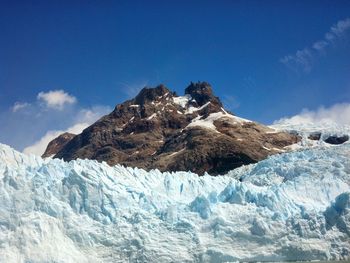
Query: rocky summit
[[160, 130]]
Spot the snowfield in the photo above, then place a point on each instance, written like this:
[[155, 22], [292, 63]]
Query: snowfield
[[292, 206]]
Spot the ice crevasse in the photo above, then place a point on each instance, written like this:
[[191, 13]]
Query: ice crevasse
[[291, 206]]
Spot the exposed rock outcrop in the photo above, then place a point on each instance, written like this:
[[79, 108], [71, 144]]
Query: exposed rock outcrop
[[57, 144], [315, 136], [337, 139]]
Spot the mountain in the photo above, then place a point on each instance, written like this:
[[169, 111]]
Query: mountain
[[158, 129], [292, 206], [57, 144]]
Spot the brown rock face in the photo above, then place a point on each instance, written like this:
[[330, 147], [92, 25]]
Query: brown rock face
[[315, 136], [57, 144], [202, 93], [158, 129]]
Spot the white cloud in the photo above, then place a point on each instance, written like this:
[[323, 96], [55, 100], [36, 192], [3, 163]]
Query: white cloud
[[304, 58], [56, 99], [337, 114], [85, 118], [19, 106]]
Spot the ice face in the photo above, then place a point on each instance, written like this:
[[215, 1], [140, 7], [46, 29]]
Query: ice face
[[291, 206]]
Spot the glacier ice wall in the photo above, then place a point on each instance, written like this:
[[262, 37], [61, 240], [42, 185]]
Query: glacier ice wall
[[292, 206]]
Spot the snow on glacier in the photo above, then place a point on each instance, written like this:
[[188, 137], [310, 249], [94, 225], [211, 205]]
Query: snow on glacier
[[291, 206]]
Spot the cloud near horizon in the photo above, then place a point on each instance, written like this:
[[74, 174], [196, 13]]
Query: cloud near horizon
[[304, 58], [337, 114]]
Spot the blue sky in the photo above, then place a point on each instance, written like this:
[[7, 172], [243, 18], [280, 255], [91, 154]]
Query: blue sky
[[265, 59]]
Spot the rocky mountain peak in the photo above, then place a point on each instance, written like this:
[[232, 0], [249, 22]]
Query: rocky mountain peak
[[202, 93], [148, 94], [159, 130]]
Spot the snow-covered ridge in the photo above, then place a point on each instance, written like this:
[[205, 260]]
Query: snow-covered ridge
[[292, 206]]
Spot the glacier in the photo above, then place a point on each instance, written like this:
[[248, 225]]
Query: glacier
[[291, 206]]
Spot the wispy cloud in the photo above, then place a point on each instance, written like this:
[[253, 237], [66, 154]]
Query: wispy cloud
[[56, 99], [303, 59], [19, 106], [337, 31]]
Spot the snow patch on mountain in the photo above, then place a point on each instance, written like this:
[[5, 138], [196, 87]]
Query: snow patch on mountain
[[182, 100], [291, 206], [192, 109], [208, 122]]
